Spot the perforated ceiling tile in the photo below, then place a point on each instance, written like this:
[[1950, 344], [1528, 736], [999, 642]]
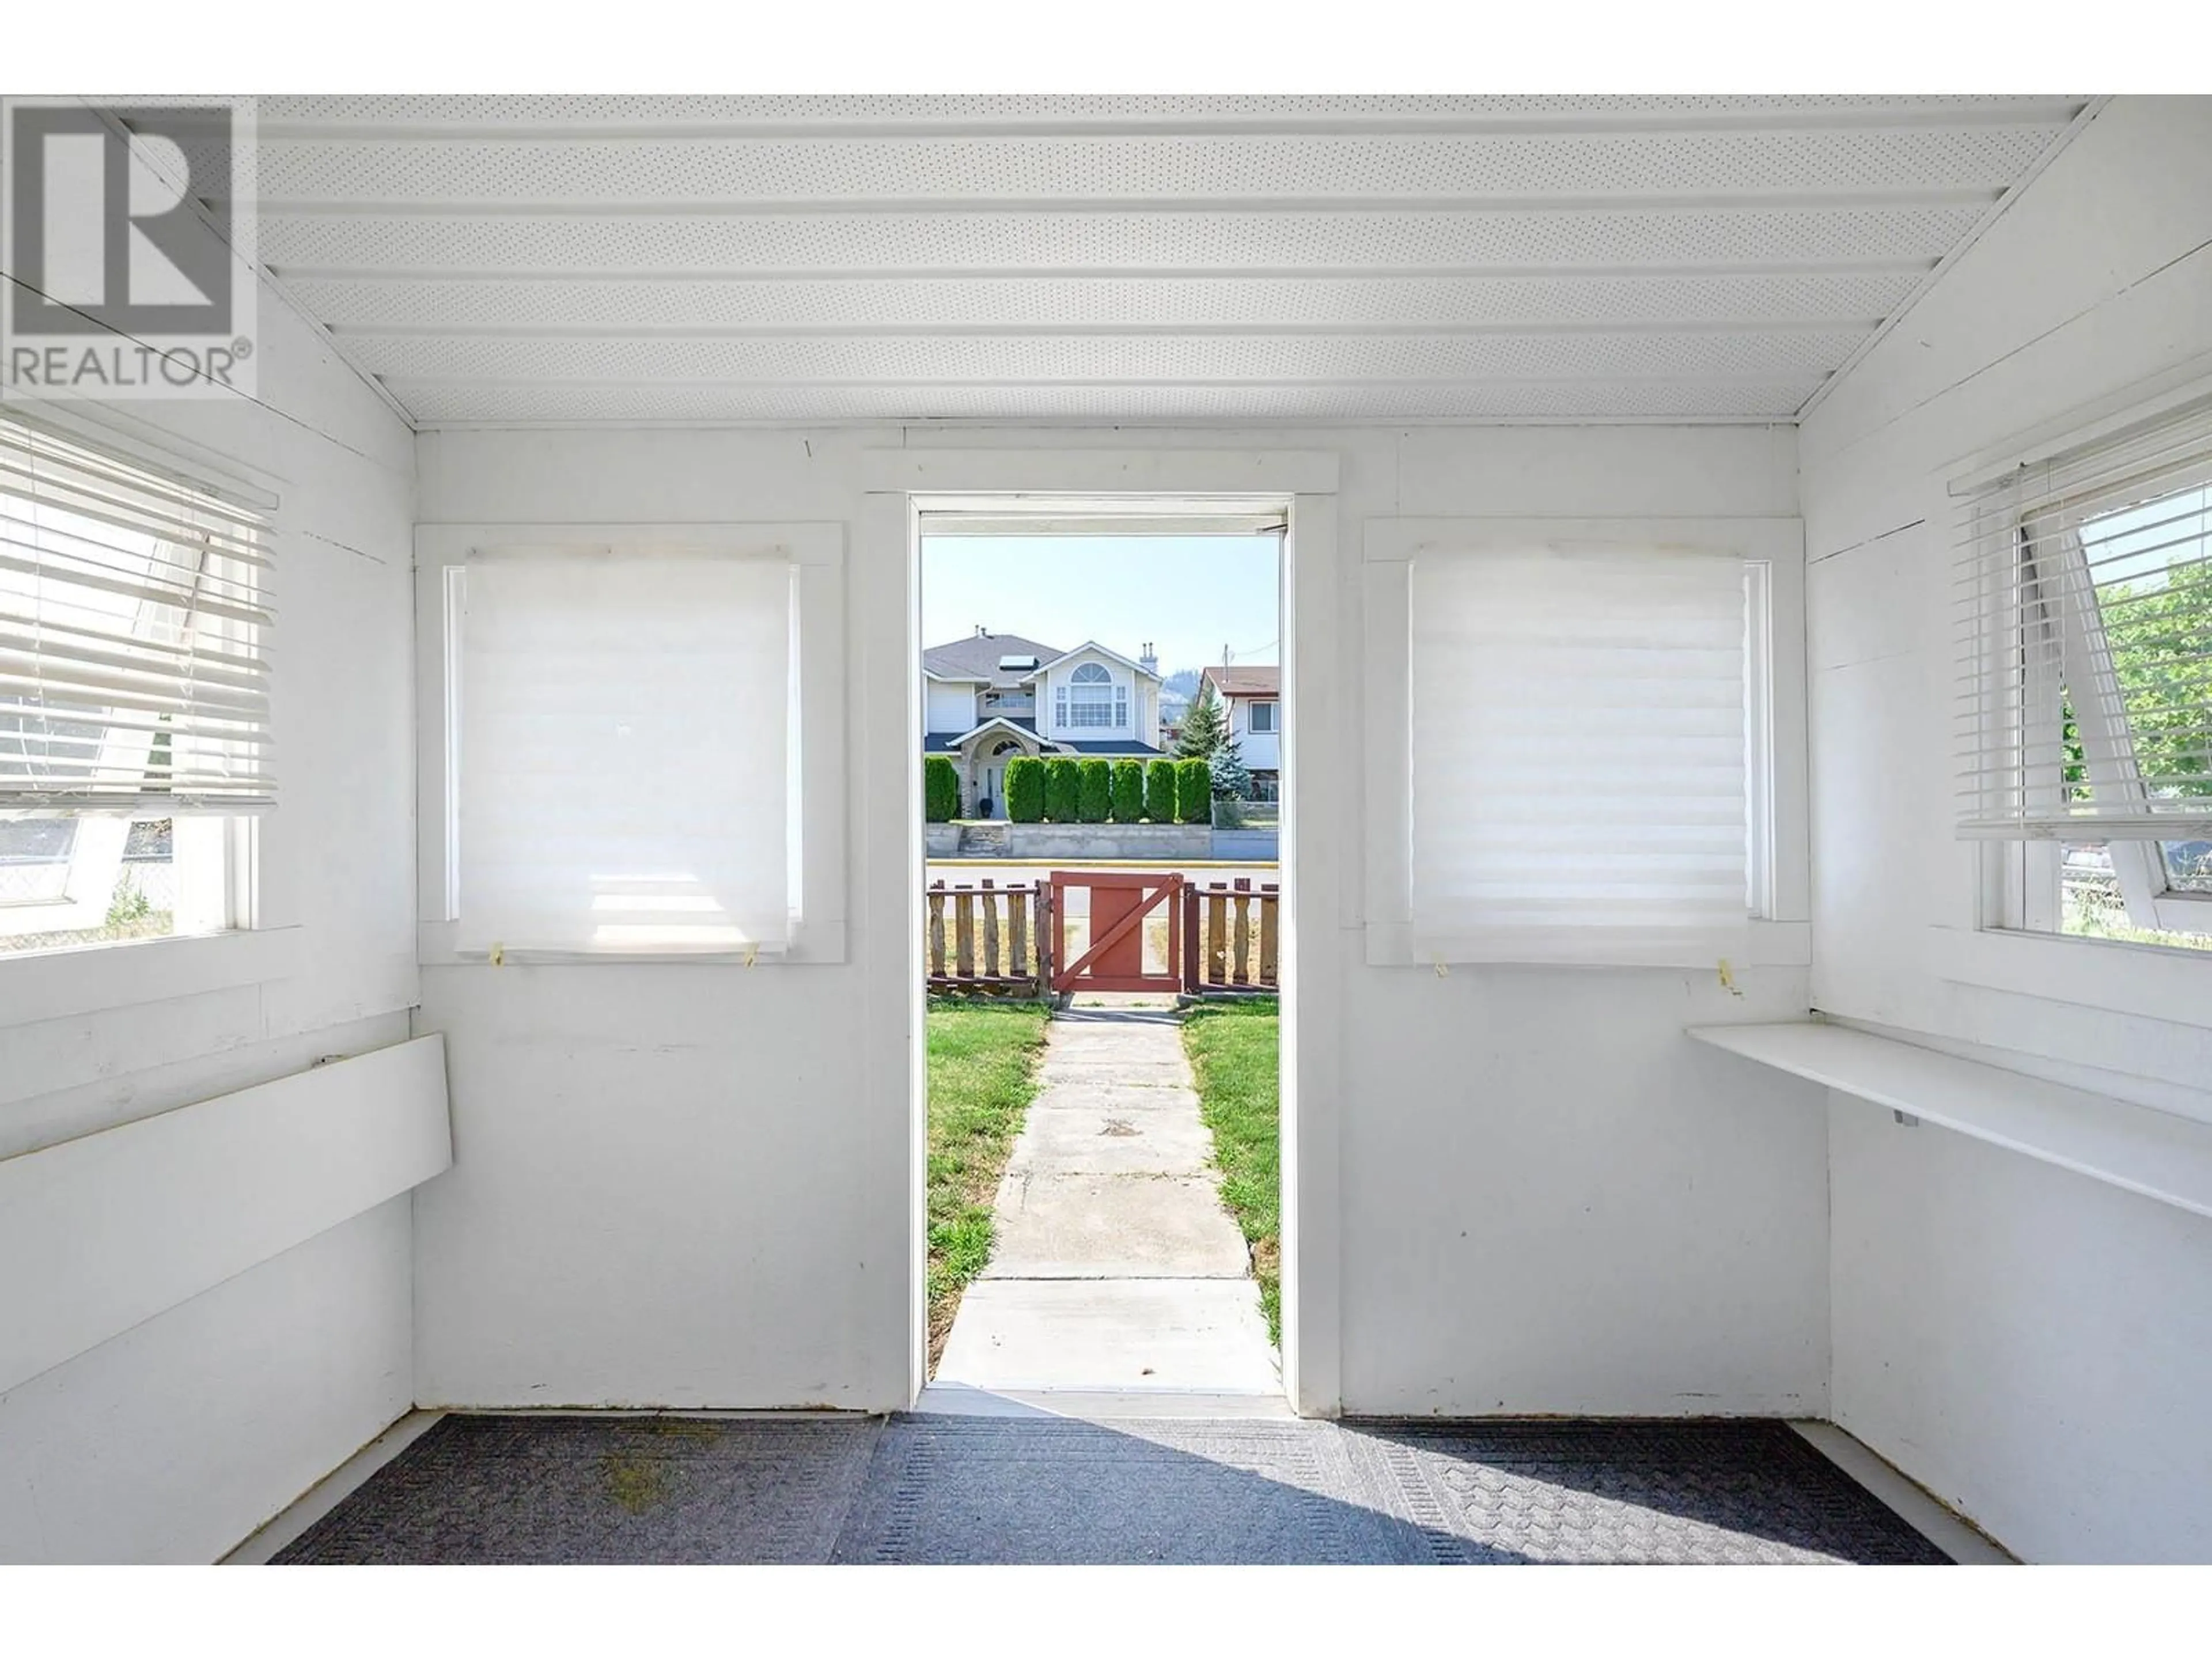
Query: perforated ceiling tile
[[1341, 241], [1124, 257], [278, 114], [679, 172], [832, 303], [1622, 400], [1034, 359]]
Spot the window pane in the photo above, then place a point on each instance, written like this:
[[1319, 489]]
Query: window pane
[[2188, 865], [2150, 568], [68, 882], [2091, 905]]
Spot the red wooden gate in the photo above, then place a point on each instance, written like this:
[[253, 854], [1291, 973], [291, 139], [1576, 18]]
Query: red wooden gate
[[1115, 958]]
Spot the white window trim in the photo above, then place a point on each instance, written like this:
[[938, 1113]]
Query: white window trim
[[816, 548], [1252, 717], [2005, 935], [1781, 932], [90, 979], [251, 949]]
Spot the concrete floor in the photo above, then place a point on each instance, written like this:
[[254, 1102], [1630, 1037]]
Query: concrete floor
[[1116, 1269]]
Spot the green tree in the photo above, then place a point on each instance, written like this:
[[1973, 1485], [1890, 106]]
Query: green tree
[[1128, 791], [1160, 791], [940, 788], [1232, 779], [1193, 790], [1063, 790], [1025, 789], [2160, 640], [1097, 800], [1204, 727]]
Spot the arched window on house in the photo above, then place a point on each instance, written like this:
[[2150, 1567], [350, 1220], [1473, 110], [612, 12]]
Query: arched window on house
[[1089, 697]]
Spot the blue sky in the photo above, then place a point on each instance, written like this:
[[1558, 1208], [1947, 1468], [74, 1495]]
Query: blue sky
[[1189, 595]]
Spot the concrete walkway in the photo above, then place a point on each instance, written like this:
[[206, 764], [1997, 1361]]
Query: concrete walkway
[[1115, 1267]]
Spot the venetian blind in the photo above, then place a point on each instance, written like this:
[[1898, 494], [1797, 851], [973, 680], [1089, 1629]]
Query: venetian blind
[[133, 629], [2084, 599]]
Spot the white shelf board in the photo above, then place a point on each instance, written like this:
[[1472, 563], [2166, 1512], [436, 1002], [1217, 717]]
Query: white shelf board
[[2157, 1154]]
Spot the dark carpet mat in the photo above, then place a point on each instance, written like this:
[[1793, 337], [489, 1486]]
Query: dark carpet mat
[[1717, 1491], [561, 1489], [602, 1489], [1044, 1490]]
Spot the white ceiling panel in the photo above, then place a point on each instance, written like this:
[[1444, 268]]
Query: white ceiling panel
[[1032, 359], [1177, 240], [621, 175], [1036, 304], [369, 116], [1139, 258], [494, 403], [1220, 304]]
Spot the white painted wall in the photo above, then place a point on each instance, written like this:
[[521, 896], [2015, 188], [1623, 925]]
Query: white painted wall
[[173, 1441], [690, 1185], [2021, 1339], [1262, 751], [950, 708]]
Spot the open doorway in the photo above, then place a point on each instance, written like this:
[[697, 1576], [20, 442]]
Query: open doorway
[[1103, 717]]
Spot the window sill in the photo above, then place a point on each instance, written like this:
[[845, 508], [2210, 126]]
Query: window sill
[[91, 978], [2158, 1155], [814, 945], [2148, 980], [1773, 945]]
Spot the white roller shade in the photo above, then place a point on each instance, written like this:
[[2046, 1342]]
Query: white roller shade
[[1577, 755], [626, 758], [2084, 588], [132, 632]]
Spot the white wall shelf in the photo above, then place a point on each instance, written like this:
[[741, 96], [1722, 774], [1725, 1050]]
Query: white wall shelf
[[2157, 1154], [132, 1221]]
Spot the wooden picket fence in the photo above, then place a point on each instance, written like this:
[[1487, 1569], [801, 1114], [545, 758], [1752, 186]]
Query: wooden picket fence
[[998, 941], [982, 939], [1230, 933]]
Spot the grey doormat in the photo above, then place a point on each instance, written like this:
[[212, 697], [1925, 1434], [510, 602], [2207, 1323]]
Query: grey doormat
[[494, 1489], [576, 1489], [1723, 1491]]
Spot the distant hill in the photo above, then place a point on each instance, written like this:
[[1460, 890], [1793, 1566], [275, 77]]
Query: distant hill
[[1176, 692]]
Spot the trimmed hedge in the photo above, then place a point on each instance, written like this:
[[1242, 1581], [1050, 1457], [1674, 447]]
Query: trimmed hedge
[[1098, 802], [1193, 791], [1128, 791], [1025, 789], [940, 788], [1063, 791], [1160, 791]]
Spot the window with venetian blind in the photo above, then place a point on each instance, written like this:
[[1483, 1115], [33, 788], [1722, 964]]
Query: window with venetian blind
[[134, 693], [2084, 715]]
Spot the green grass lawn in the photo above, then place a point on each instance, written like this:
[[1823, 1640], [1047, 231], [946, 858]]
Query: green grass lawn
[[1232, 1048], [982, 1067]]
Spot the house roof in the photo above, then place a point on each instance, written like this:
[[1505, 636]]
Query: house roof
[[976, 658], [1130, 662], [948, 743], [1261, 680], [1109, 746]]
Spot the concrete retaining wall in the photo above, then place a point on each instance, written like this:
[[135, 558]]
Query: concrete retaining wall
[[1047, 842]]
